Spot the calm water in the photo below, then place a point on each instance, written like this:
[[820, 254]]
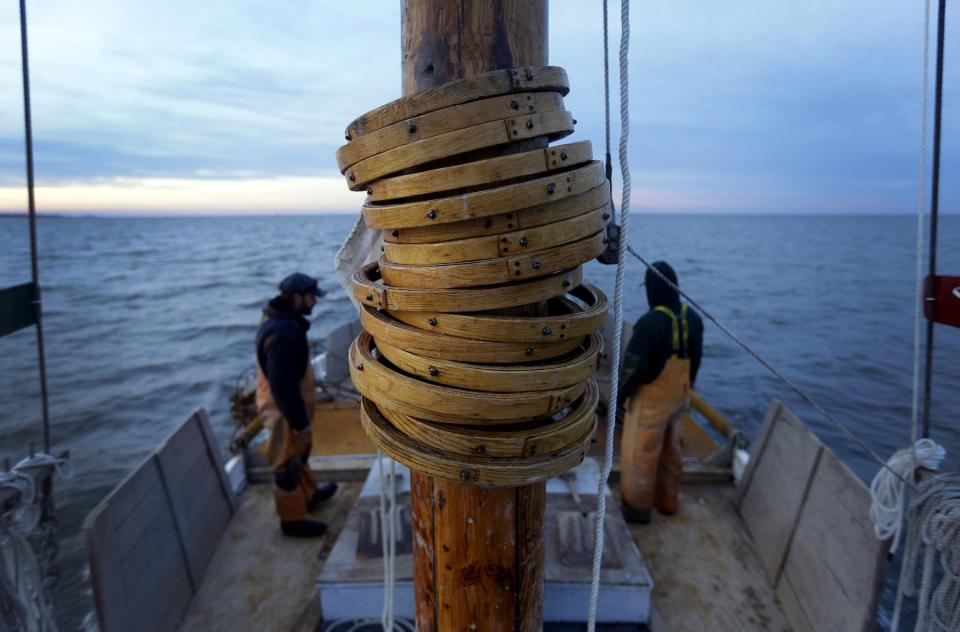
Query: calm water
[[148, 319]]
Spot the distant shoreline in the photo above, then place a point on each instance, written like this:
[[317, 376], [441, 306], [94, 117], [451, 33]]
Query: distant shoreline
[[634, 212]]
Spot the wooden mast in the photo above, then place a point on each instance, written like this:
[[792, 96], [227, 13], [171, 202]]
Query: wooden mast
[[478, 553]]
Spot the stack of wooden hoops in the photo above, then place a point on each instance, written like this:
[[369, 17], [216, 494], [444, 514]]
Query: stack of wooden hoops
[[480, 339]]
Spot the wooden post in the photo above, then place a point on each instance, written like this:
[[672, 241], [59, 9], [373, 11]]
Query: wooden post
[[478, 553]]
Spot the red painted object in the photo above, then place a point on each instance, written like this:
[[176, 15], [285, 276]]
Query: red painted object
[[946, 292]]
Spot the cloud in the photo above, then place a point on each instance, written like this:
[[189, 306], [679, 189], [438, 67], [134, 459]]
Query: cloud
[[734, 104]]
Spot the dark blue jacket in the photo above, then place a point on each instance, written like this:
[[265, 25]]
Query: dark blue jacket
[[283, 353], [652, 341]]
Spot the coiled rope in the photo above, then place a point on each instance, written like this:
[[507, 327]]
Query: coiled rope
[[934, 528], [888, 492], [23, 589], [600, 518]]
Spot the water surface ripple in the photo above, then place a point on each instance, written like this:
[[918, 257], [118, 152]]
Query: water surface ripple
[[148, 319]]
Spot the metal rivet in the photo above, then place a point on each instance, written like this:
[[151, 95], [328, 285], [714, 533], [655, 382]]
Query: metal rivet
[[529, 76], [546, 331], [563, 155], [411, 127], [395, 233], [432, 214], [504, 240], [529, 351], [433, 322], [516, 263], [465, 476], [535, 265], [515, 132], [515, 105], [530, 107], [551, 188], [529, 123], [434, 372], [523, 241], [488, 223]]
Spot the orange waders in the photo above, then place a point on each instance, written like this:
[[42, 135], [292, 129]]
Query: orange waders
[[650, 455], [287, 451]]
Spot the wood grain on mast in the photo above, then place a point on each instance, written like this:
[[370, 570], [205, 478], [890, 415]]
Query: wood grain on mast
[[472, 534]]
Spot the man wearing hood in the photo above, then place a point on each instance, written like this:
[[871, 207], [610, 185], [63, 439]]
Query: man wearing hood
[[659, 368], [286, 396]]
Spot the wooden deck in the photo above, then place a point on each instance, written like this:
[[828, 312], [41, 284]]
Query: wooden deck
[[259, 579], [705, 572]]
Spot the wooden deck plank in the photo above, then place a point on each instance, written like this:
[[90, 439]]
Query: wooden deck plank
[[201, 504], [774, 493], [832, 570], [130, 531], [259, 579], [705, 572]]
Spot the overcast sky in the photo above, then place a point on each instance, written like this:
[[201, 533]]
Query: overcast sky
[[230, 105]]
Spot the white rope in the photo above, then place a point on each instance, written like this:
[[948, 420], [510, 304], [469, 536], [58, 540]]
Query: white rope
[[600, 517], [918, 290], [934, 519], [780, 376], [921, 194], [888, 492], [21, 578], [388, 520]]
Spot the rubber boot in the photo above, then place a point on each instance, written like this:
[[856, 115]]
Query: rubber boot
[[636, 515], [303, 528], [321, 494]]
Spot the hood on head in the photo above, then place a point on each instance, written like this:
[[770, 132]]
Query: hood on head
[[658, 292]]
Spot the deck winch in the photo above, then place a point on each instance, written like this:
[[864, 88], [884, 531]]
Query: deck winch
[[480, 345]]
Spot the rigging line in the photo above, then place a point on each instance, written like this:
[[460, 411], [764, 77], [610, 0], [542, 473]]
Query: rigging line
[[34, 268], [918, 298], [756, 356], [934, 212], [606, 99], [600, 516]]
